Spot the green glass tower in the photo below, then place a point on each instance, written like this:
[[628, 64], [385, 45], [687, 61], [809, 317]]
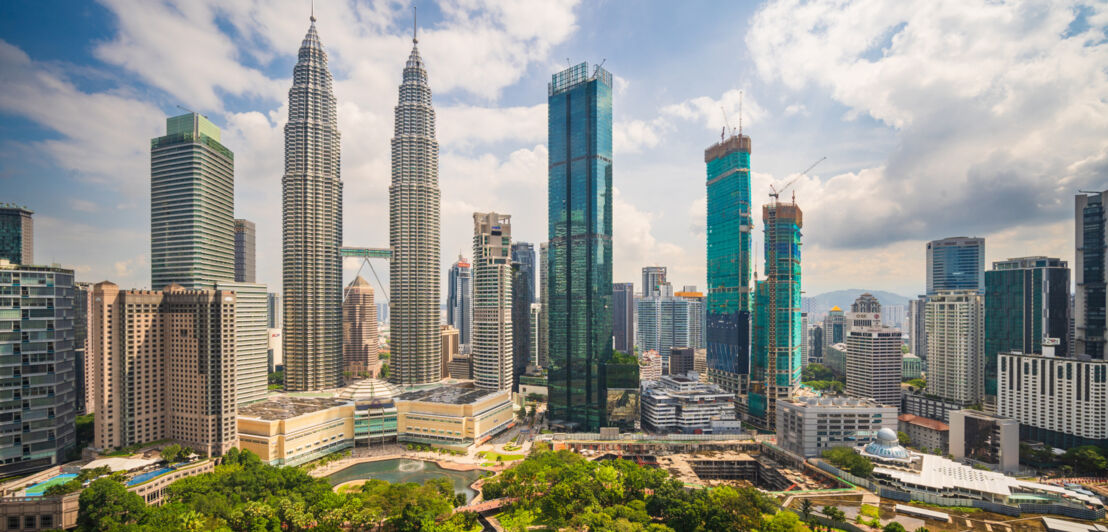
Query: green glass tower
[[579, 260], [729, 262], [775, 358], [192, 210]]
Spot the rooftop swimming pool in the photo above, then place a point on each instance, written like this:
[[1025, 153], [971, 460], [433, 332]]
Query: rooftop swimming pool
[[139, 479], [38, 489]]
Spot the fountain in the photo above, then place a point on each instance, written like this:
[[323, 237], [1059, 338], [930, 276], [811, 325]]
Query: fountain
[[399, 470]]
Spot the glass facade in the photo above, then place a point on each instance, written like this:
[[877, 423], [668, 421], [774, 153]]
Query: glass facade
[[956, 263], [1090, 263], [580, 245], [17, 242], [729, 262]]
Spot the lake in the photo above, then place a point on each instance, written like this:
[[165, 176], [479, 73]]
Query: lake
[[402, 470]]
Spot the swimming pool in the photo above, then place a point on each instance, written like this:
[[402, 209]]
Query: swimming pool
[[38, 489], [139, 479]]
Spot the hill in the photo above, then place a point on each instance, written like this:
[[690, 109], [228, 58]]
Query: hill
[[820, 304]]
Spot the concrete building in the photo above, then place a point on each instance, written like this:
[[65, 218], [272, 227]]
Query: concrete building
[[414, 225], [911, 367], [312, 226], [39, 375], [810, 425], [274, 314], [917, 327], [459, 301], [653, 277], [460, 367], [956, 263], [700, 363], [804, 339], [955, 346], [834, 357], [536, 317], [165, 367], [917, 402], [986, 439], [834, 329], [678, 403], [245, 251], [251, 341], [650, 366], [17, 234], [874, 364], [666, 320], [579, 231], [895, 316], [681, 360], [275, 351], [1057, 401], [451, 348], [924, 433], [289, 431], [359, 330], [1090, 304], [544, 300], [82, 305], [453, 416], [192, 194], [623, 316], [864, 312], [493, 360]]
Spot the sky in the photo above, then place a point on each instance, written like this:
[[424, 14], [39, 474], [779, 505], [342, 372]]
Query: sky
[[937, 118]]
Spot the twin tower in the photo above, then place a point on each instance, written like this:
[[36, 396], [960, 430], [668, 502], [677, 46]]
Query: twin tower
[[312, 228]]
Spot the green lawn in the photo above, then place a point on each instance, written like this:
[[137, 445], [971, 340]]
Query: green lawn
[[492, 456]]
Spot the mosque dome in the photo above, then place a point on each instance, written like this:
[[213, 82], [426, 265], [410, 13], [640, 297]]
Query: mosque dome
[[887, 446]]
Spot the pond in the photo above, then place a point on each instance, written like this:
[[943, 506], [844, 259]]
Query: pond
[[402, 470]]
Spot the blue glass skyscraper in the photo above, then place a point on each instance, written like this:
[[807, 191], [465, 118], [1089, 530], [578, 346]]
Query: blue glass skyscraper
[[580, 252], [956, 263]]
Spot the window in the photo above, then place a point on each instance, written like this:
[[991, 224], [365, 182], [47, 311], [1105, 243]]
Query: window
[[13, 522]]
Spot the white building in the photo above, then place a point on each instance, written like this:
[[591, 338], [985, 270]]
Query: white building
[[492, 300], [680, 403], [251, 340], [956, 345], [1062, 402], [808, 426], [666, 321], [650, 366], [873, 364], [985, 438]]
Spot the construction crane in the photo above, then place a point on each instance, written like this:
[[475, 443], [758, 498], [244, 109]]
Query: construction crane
[[774, 193]]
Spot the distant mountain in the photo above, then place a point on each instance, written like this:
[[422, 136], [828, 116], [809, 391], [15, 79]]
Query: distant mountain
[[821, 304]]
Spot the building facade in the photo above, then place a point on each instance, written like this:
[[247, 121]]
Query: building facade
[[493, 360], [677, 403], [312, 226], [1090, 303], [917, 327], [289, 431], [955, 346], [523, 253], [17, 234], [808, 426], [931, 435], [192, 205], [453, 416], [451, 348], [956, 263], [666, 321], [623, 316], [544, 300], [874, 364], [1062, 402], [681, 360], [985, 438], [246, 270], [251, 341], [580, 245], [360, 346], [834, 328], [81, 306], [274, 311], [521, 319], [459, 301], [911, 367], [653, 277]]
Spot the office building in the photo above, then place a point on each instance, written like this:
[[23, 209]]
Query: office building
[[775, 358], [274, 310], [729, 262], [834, 358], [17, 234], [383, 313], [810, 425], [624, 393], [245, 244], [414, 232], [653, 277], [1090, 305], [917, 327], [864, 312], [536, 317], [931, 435], [85, 387], [919, 403], [40, 402], [1058, 401], [803, 339], [459, 301], [312, 226], [834, 328], [955, 346], [623, 316], [874, 364], [493, 360], [453, 416], [986, 439], [450, 339], [1026, 300], [815, 344], [177, 384], [678, 403], [521, 320], [911, 367], [359, 331], [956, 263], [544, 300], [681, 360], [192, 205], [251, 341], [580, 245], [275, 352], [666, 321], [523, 253]]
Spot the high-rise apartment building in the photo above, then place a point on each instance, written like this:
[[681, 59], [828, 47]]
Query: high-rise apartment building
[[536, 316], [312, 226], [956, 263], [359, 330], [523, 253], [804, 339], [580, 245], [165, 367], [1090, 302], [39, 376], [917, 327], [245, 251], [459, 301], [414, 231], [955, 346], [730, 262], [81, 306], [666, 321], [544, 300], [874, 364], [1026, 301], [274, 315], [17, 234], [1059, 401], [251, 341], [192, 205], [653, 277], [775, 358], [492, 301], [623, 316]]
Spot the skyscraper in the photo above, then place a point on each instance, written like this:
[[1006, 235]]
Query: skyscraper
[[775, 358], [492, 301], [623, 316], [864, 312], [524, 254], [459, 302], [521, 322], [251, 366], [955, 345], [834, 328], [874, 364], [580, 253], [245, 237], [82, 303], [652, 278], [17, 234], [1090, 303], [359, 329], [414, 232], [192, 205], [917, 327], [544, 300], [312, 226], [1026, 301], [956, 263], [666, 320], [274, 317], [729, 221]]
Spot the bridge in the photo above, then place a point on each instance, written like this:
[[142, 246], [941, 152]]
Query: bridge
[[365, 254]]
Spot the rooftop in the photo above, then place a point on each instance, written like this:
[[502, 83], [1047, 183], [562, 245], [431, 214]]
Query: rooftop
[[450, 394], [285, 407], [924, 422]]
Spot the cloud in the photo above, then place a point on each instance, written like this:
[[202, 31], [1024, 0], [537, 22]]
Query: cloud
[[634, 245], [460, 126], [635, 135], [711, 112]]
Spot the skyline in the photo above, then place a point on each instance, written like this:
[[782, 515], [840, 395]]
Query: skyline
[[83, 113]]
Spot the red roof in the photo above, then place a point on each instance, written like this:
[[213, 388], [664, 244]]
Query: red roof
[[924, 422]]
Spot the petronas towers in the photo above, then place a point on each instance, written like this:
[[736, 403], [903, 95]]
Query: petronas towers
[[312, 226]]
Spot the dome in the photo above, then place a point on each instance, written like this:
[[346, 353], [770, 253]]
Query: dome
[[887, 446], [887, 435], [369, 391]]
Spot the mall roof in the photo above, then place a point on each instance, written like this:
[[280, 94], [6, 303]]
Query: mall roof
[[450, 394], [285, 407]]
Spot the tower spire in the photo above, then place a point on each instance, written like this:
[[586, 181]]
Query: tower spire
[[415, 18], [312, 18]]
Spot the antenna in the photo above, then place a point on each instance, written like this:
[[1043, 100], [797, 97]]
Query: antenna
[[740, 113], [415, 19], [312, 18], [185, 109]]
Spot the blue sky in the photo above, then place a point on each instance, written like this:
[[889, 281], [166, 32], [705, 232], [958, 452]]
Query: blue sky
[[937, 119]]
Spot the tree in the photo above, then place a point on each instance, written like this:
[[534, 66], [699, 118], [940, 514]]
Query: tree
[[806, 508], [172, 453], [893, 526], [835, 514], [903, 438], [784, 521], [107, 505], [1085, 459], [845, 458]]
